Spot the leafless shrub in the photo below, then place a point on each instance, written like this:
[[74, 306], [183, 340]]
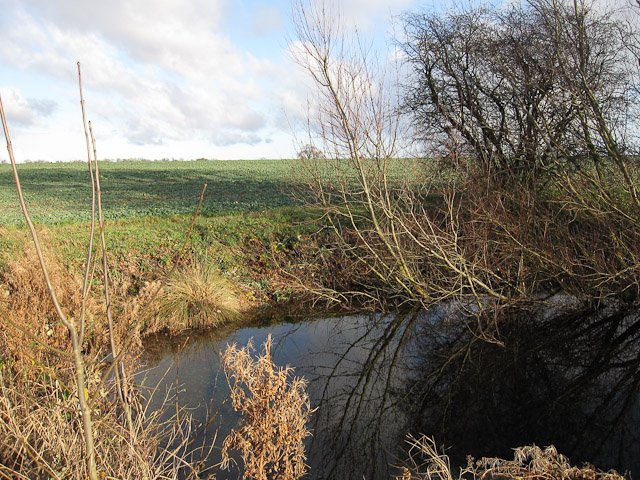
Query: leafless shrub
[[309, 152], [376, 202], [275, 408], [540, 194]]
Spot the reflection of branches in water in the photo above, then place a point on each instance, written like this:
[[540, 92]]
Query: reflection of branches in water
[[352, 385], [191, 388], [356, 414], [571, 379]]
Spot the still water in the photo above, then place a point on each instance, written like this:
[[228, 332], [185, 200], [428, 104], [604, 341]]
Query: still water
[[375, 378]]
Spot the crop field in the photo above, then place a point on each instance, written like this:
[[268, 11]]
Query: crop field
[[60, 192]]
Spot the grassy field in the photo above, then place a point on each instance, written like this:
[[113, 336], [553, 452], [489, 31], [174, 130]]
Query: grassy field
[[60, 193], [247, 220]]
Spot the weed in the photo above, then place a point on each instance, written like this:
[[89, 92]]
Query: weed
[[40, 432], [529, 463], [198, 296], [275, 409], [532, 462]]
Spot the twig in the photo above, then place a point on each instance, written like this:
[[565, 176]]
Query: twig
[[68, 323]]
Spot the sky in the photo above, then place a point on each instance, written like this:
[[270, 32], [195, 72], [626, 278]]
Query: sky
[[176, 79]]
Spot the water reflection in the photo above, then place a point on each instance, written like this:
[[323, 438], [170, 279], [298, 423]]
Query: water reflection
[[569, 379]]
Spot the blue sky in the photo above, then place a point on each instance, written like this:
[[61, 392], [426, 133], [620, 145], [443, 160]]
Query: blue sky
[[161, 78]]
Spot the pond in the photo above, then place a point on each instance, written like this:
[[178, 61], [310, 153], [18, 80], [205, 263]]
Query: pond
[[374, 378]]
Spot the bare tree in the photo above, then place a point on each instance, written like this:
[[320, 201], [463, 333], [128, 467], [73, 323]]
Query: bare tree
[[536, 97], [374, 200], [595, 70], [523, 88]]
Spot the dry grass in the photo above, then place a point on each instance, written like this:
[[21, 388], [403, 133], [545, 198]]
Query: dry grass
[[27, 311], [275, 406], [29, 326], [529, 463], [53, 418], [198, 296], [425, 463], [534, 463], [41, 433]]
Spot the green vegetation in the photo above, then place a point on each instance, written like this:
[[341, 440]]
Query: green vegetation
[[246, 214], [159, 237], [248, 229], [61, 193]]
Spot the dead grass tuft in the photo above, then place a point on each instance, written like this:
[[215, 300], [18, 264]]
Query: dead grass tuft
[[196, 297], [529, 463], [275, 408], [29, 318], [534, 463], [29, 321], [425, 463]]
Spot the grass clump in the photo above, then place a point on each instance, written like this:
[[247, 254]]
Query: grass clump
[[197, 297], [529, 463], [41, 433], [275, 409]]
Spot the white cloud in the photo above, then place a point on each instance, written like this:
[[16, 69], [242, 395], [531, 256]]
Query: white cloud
[[24, 111], [369, 14], [162, 62], [159, 74], [225, 138]]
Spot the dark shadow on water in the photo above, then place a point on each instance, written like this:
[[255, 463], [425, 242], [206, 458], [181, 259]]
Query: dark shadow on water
[[568, 379]]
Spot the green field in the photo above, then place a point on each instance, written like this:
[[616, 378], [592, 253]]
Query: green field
[[247, 211], [60, 192]]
